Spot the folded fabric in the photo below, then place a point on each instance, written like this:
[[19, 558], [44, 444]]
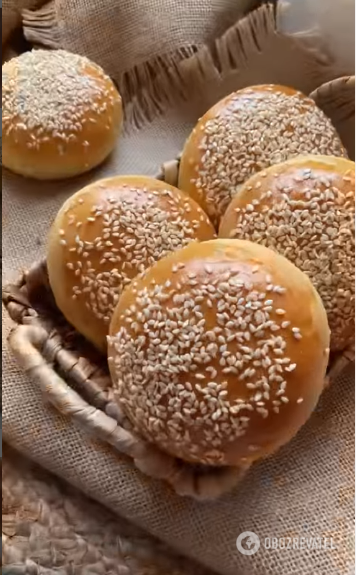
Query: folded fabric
[[11, 15], [138, 43]]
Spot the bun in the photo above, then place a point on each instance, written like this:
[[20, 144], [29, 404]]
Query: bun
[[105, 235], [305, 210], [61, 114], [246, 132], [212, 355]]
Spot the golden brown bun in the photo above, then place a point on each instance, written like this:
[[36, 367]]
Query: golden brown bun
[[105, 235], [305, 210], [248, 131], [212, 355], [61, 114]]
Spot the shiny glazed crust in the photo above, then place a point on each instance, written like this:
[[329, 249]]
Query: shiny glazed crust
[[105, 235], [156, 373], [245, 132], [35, 145], [305, 209]]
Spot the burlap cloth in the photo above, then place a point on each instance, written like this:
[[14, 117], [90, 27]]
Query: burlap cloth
[[307, 488], [139, 43], [51, 528]]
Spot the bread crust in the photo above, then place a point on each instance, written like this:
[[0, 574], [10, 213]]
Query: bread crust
[[62, 115], [305, 210], [106, 234], [194, 370], [246, 132]]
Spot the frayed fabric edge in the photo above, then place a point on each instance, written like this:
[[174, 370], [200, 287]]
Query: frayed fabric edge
[[146, 89], [40, 26], [150, 88]]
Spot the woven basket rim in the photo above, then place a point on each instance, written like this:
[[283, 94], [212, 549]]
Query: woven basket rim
[[39, 345], [343, 84], [186, 479]]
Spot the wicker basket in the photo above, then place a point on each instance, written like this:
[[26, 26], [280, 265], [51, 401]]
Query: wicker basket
[[75, 379]]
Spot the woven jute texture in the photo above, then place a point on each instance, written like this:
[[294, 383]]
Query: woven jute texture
[[139, 43], [144, 44], [307, 488], [51, 528]]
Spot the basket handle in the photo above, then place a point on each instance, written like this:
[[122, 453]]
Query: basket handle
[[29, 344]]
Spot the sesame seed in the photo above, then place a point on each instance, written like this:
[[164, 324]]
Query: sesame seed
[[180, 342], [61, 110], [248, 115], [130, 237], [311, 223]]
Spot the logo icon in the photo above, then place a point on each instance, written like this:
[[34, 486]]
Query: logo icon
[[248, 543]]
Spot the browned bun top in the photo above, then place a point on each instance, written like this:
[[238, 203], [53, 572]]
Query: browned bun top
[[218, 352], [61, 114], [248, 131], [105, 235], [305, 210]]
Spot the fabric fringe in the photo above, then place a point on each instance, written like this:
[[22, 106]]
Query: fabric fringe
[[146, 90], [40, 26], [149, 88], [233, 52]]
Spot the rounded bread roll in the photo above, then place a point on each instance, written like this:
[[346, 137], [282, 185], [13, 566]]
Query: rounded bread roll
[[305, 210], [248, 131], [61, 114], [213, 357], [106, 234]]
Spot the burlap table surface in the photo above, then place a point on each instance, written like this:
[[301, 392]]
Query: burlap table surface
[[51, 528], [304, 490]]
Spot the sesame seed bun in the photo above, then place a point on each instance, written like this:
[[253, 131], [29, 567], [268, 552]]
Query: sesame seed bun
[[305, 210], [248, 131], [212, 355], [61, 114], [105, 235]]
